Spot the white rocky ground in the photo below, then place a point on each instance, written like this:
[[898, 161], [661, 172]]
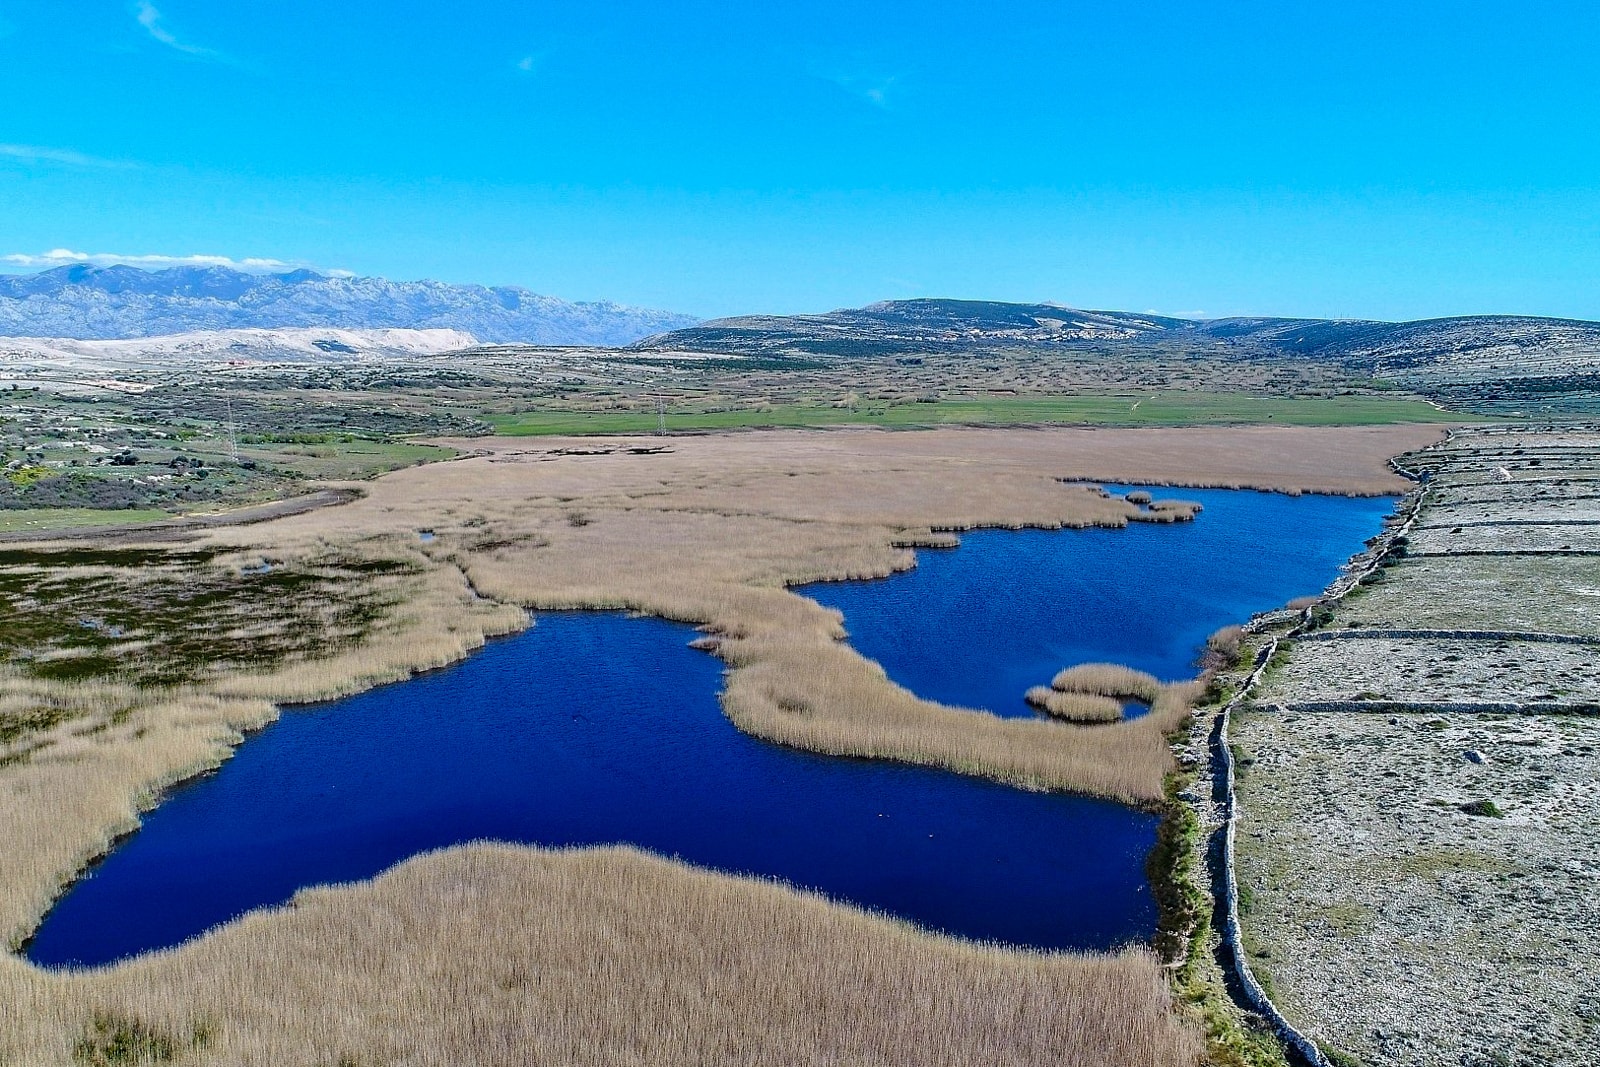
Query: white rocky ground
[[1419, 886], [309, 344], [1399, 928]]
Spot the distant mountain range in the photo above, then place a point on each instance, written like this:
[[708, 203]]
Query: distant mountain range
[[899, 326], [1474, 352], [1482, 359], [104, 303]]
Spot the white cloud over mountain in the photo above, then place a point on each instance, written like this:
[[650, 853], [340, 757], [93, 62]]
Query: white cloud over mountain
[[104, 297], [62, 257]]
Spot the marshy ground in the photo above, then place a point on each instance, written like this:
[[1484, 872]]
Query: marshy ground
[[707, 529], [1416, 856], [107, 440]]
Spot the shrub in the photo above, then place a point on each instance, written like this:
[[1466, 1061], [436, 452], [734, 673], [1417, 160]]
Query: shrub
[[112, 1039], [1222, 648]]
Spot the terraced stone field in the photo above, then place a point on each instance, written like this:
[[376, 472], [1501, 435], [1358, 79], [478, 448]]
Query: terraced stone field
[[1416, 853]]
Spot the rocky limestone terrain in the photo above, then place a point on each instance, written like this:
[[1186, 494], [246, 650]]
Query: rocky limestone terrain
[[1502, 364], [1416, 851]]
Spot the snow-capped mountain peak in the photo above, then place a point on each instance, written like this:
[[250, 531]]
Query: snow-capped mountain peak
[[103, 303]]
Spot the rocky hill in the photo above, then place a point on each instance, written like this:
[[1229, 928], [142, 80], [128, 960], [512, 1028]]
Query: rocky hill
[[103, 303], [1481, 358]]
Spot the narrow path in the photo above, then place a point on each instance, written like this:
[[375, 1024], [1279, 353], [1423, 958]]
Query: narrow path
[[163, 529]]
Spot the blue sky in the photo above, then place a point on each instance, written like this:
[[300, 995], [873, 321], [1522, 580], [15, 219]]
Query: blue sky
[[1390, 160]]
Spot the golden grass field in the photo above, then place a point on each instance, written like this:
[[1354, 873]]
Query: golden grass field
[[500, 955], [691, 968]]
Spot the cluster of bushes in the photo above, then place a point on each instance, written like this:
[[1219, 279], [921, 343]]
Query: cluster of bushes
[[71, 491], [76, 489], [275, 419]]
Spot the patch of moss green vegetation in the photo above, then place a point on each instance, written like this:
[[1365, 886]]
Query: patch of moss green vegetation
[[1180, 903], [1339, 1058], [114, 1040], [1185, 935], [1435, 863], [354, 458], [101, 557], [1247, 899], [15, 724], [151, 618], [22, 521], [1346, 919], [1483, 808], [1098, 409], [118, 1039]]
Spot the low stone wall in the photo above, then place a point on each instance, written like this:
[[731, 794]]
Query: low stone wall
[[1534, 636], [1411, 707], [1223, 771], [1509, 552], [1507, 522], [1232, 935]]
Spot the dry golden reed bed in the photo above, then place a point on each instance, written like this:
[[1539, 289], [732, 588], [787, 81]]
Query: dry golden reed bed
[[710, 531], [1094, 692], [495, 955]]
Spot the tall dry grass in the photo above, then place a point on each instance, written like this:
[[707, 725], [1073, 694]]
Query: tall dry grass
[[1169, 511], [712, 533], [1222, 648], [1107, 680], [1074, 707], [109, 749], [492, 955]]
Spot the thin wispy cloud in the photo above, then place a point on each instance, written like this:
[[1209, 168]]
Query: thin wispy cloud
[[528, 64], [65, 157], [65, 257], [150, 18], [876, 89]]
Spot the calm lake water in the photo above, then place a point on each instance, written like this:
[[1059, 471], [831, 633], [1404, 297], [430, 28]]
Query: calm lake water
[[598, 728], [978, 625]]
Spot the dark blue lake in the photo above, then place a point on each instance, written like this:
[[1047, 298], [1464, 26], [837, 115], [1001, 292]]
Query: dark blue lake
[[978, 625], [598, 728]]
